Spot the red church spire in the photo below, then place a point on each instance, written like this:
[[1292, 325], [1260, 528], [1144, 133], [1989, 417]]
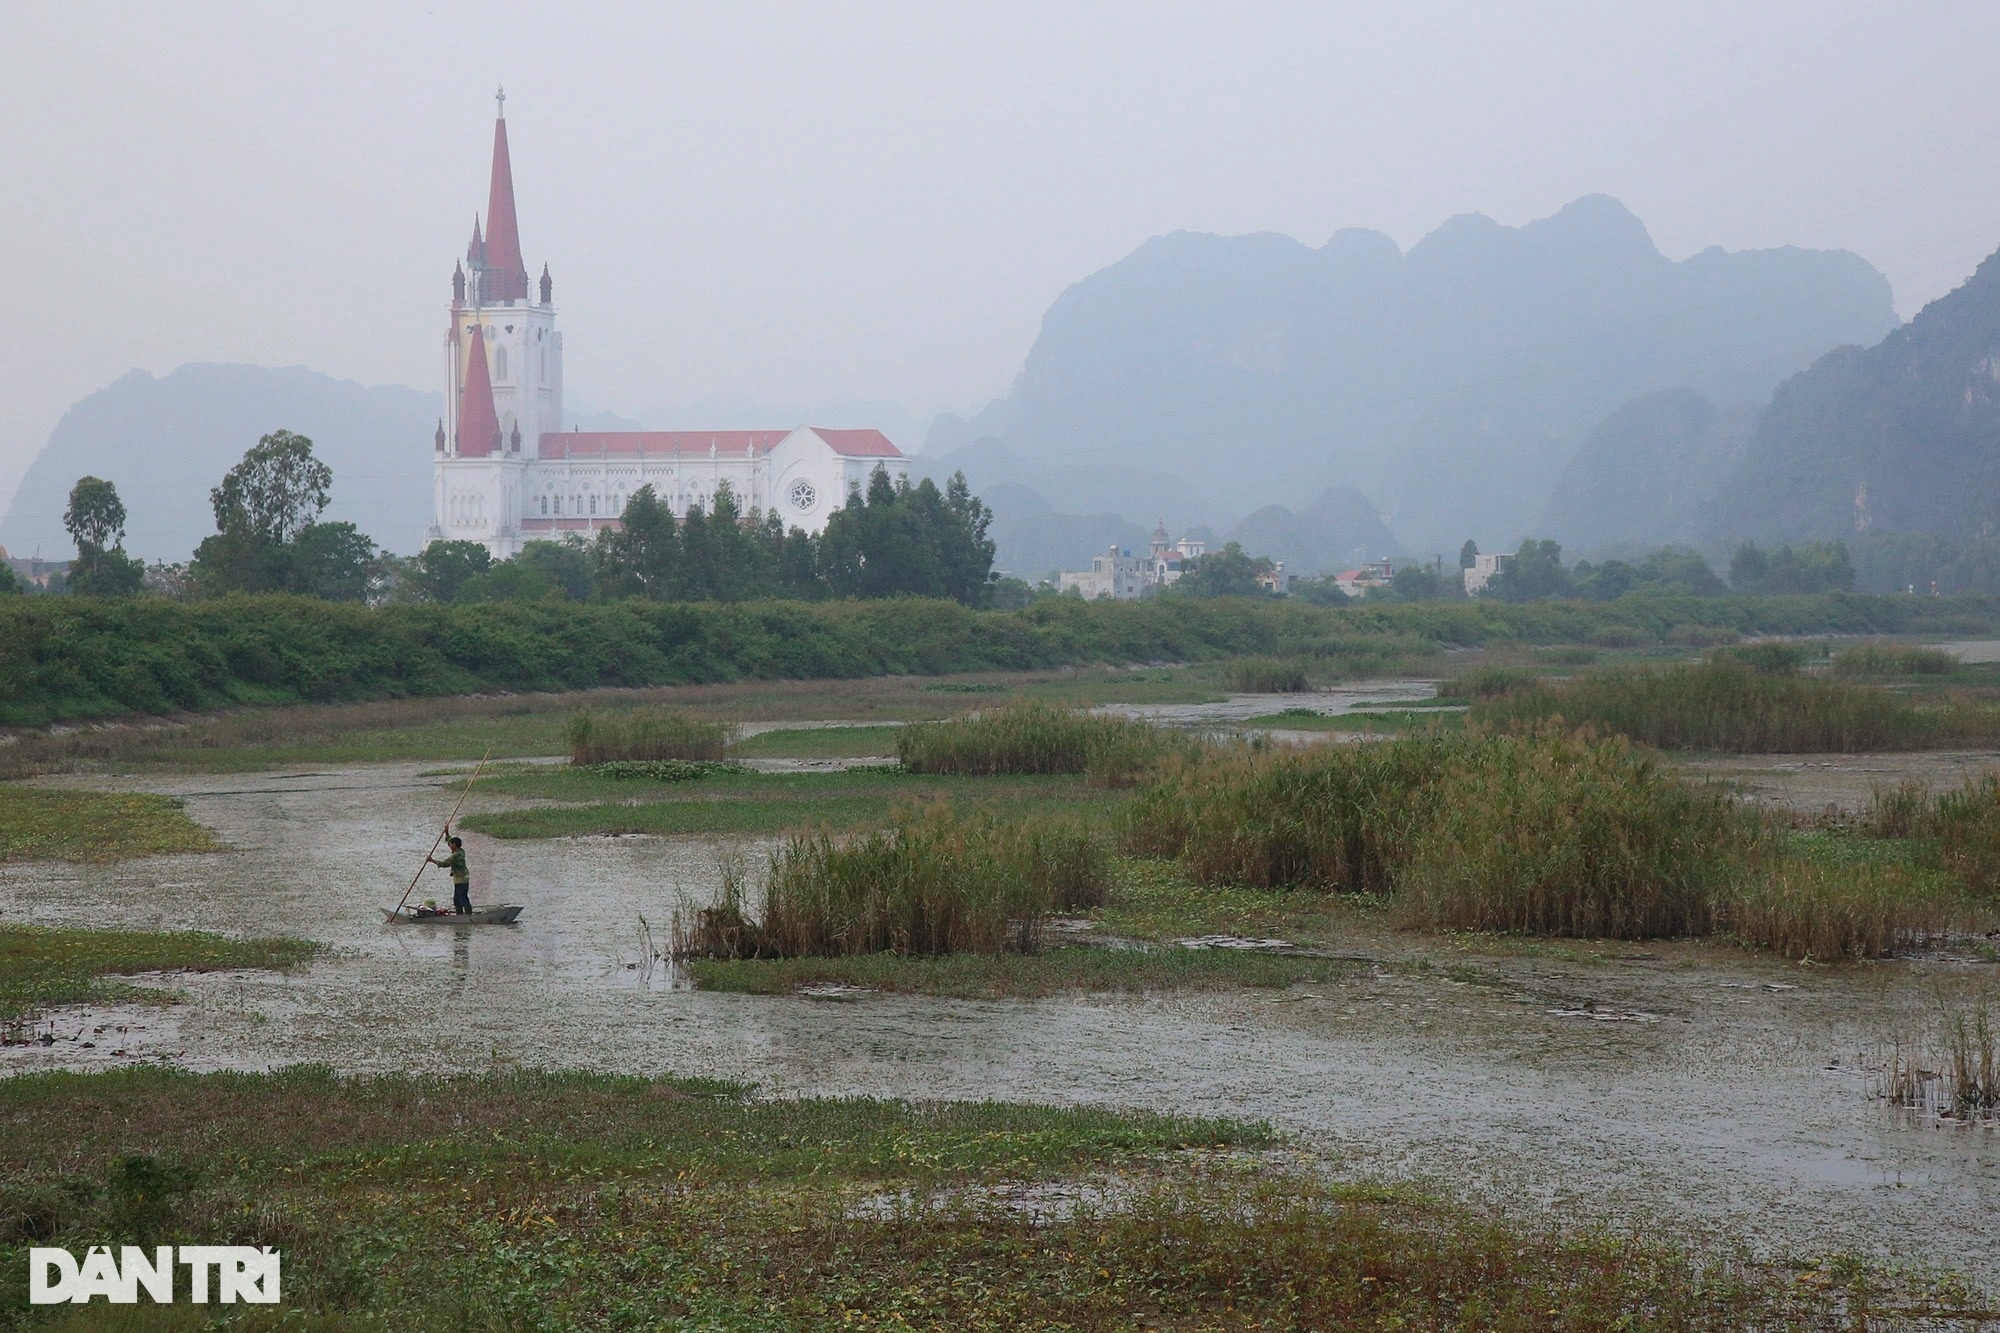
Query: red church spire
[[478, 423], [506, 277]]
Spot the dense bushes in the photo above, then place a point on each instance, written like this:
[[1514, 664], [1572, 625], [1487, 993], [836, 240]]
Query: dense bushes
[[67, 658], [1893, 659], [1728, 704]]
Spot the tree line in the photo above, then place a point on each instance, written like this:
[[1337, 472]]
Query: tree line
[[892, 539]]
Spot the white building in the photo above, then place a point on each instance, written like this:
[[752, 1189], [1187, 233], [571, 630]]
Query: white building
[[1120, 574], [506, 471], [1481, 572]]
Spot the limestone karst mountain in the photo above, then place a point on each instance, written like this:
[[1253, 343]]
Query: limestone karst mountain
[[1648, 474], [1451, 384]]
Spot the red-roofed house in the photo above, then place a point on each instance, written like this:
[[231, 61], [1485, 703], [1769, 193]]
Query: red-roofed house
[[507, 473]]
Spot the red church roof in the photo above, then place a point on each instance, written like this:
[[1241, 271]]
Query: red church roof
[[478, 423], [696, 443]]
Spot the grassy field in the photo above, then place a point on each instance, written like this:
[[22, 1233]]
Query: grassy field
[[42, 967], [43, 824], [560, 1201], [749, 804], [859, 742]]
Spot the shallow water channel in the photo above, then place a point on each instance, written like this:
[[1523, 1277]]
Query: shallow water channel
[[1687, 1086]]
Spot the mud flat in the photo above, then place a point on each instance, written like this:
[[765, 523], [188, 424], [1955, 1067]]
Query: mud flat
[[1686, 1085]]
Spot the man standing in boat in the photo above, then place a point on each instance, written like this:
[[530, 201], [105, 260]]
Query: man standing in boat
[[461, 878]]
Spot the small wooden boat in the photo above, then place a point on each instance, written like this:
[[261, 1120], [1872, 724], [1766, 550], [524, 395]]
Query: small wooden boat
[[423, 916]]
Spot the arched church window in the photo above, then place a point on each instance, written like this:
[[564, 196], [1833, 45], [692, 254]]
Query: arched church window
[[545, 506], [499, 363], [593, 504]]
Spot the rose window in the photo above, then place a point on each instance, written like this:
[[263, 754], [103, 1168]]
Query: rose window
[[803, 495]]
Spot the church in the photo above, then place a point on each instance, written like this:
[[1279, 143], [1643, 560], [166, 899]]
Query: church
[[507, 473]]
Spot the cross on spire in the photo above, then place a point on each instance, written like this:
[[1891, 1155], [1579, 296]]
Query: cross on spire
[[500, 99]]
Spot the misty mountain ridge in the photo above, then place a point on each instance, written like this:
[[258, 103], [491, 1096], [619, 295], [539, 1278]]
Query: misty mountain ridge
[[1452, 383], [1649, 474]]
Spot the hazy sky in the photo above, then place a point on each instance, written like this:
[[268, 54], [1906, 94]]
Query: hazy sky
[[804, 202]]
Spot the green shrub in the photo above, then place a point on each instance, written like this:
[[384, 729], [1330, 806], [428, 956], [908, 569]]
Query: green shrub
[[645, 735], [1034, 737], [1893, 659], [1619, 636]]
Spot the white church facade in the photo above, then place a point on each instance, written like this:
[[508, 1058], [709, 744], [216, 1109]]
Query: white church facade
[[507, 473]]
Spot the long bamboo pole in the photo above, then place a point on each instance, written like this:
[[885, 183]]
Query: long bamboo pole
[[449, 821]]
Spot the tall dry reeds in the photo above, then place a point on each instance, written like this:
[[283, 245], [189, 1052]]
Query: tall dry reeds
[[1952, 1069], [643, 734], [1958, 829], [1266, 675], [1033, 737]]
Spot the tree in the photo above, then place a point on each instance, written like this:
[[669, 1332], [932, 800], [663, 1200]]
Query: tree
[[1225, 573], [96, 522], [1468, 554], [1814, 567], [1535, 572], [10, 582], [641, 558], [442, 568], [335, 561], [276, 490], [565, 565], [262, 506]]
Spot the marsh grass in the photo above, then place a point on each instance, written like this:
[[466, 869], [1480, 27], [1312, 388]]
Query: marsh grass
[[859, 742], [1054, 971], [583, 1201], [1957, 830], [1266, 675], [1032, 737], [41, 967], [1806, 908], [1951, 1070], [1893, 660], [1488, 681], [56, 824], [1547, 833], [936, 882], [1726, 705], [643, 734]]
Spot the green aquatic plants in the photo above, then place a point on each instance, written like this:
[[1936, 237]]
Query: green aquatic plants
[[1802, 908], [1956, 831], [936, 882], [1952, 1069], [1031, 737], [643, 734]]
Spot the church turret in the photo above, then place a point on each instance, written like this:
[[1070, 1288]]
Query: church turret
[[548, 287], [478, 423], [457, 286], [440, 435]]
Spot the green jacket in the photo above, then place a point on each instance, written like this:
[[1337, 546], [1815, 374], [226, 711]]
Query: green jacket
[[456, 864]]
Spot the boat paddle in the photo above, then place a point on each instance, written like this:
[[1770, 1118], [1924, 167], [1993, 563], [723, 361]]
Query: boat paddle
[[453, 818]]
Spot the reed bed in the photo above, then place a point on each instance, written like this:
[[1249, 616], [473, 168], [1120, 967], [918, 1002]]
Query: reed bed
[[1802, 909], [1952, 1070], [1031, 737], [1958, 831], [1544, 833], [1266, 675], [935, 883], [1730, 706], [1488, 682], [644, 735], [1892, 660]]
